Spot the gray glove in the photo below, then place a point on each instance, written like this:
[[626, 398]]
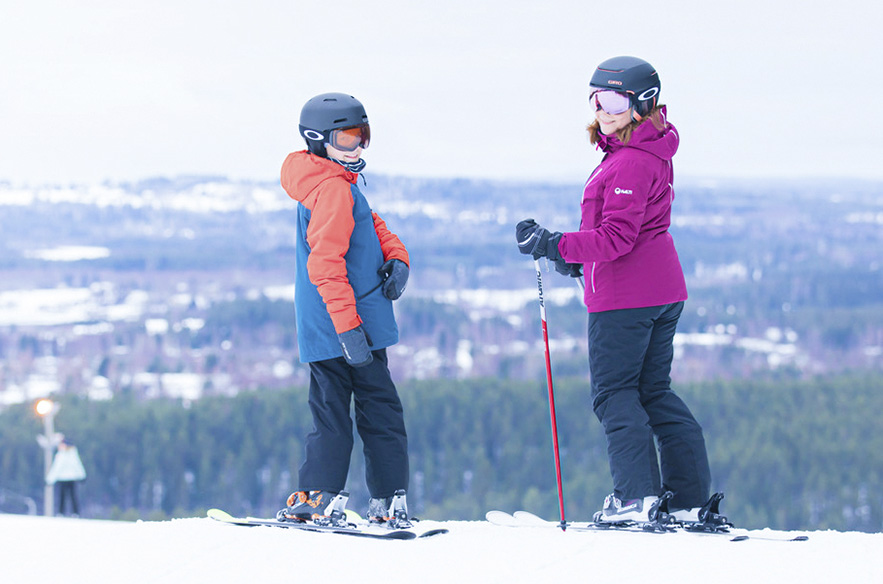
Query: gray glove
[[395, 278], [355, 344]]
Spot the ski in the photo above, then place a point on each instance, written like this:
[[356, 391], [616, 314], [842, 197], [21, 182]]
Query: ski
[[420, 534], [756, 536], [352, 529], [527, 519], [738, 534]]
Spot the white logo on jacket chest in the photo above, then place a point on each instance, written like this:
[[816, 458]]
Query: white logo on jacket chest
[[620, 191]]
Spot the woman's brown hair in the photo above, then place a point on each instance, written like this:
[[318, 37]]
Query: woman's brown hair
[[625, 134]]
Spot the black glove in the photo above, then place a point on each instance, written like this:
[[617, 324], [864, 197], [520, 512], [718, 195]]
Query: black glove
[[537, 241], [395, 278], [354, 344], [565, 269]]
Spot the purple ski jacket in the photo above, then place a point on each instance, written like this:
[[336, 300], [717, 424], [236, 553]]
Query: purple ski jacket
[[628, 255]]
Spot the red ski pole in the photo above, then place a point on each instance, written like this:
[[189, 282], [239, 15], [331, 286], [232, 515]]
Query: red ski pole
[[563, 524]]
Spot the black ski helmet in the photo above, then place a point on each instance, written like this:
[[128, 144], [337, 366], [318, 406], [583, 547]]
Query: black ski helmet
[[326, 112], [633, 76]]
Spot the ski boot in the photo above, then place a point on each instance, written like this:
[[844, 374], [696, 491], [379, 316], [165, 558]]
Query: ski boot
[[704, 519], [390, 511], [321, 507], [647, 513], [616, 510]]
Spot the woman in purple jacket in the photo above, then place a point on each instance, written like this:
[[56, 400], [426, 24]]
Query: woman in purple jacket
[[635, 292]]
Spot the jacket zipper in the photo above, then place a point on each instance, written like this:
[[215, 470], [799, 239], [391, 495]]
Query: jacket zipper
[[593, 277]]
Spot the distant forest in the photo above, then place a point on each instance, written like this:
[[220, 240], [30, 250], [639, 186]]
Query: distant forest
[[789, 454]]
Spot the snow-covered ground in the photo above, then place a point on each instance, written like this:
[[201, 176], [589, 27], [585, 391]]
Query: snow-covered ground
[[52, 550]]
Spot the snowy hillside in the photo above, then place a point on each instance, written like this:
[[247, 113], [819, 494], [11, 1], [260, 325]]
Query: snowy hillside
[[43, 550]]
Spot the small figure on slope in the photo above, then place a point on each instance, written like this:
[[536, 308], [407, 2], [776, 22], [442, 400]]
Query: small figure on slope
[[66, 470]]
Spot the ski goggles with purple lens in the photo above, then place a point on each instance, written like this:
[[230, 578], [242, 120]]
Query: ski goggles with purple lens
[[349, 139], [610, 101]]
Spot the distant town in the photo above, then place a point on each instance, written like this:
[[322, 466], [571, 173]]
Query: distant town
[[183, 287]]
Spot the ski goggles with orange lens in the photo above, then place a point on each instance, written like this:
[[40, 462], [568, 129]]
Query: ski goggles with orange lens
[[610, 101], [349, 139]]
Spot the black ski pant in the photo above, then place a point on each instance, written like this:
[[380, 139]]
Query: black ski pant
[[630, 355], [68, 490], [334, 384]]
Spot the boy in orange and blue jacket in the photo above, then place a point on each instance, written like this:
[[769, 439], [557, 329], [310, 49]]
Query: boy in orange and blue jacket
[[350, 268]]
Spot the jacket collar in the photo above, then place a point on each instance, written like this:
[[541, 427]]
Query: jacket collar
[[661, 143]]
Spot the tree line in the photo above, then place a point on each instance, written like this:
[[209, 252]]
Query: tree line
[[789, 454]]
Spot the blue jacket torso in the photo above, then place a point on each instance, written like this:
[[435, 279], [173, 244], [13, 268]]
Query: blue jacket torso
[[317, 340]]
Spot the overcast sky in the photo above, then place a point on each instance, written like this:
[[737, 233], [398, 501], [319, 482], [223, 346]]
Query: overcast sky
[[120, 90]]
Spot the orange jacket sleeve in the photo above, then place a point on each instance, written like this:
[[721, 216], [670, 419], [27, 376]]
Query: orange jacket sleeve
[[390, 244], [328, 235]]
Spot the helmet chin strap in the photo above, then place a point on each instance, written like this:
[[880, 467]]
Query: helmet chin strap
[[316, 148]]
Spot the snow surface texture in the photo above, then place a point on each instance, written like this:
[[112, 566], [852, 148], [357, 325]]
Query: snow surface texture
[[51, 550]]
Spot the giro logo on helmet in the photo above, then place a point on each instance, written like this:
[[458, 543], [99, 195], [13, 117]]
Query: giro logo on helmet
[[614, 82], [649, 94]]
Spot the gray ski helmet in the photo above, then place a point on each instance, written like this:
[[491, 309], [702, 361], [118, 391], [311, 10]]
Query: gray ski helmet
[[326, 112], [633, 76]]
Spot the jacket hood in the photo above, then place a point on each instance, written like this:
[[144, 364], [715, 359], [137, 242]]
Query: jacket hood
[[302, 172], [661, 143]]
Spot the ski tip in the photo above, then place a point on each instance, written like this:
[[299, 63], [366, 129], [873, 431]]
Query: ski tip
[[219, 515], [353, 516], [400, 535], [529, 518], [433, 532], [500, 518]]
